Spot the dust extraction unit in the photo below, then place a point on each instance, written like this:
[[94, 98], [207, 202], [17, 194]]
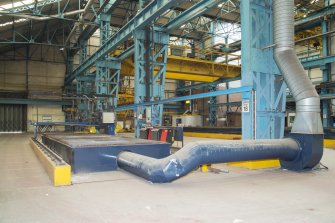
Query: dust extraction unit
[[302, 150]]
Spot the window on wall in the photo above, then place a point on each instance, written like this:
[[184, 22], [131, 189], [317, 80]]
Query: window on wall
[[235, 84]]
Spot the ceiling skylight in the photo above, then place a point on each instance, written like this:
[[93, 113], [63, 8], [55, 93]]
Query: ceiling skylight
[[11, 22], [16, 4]]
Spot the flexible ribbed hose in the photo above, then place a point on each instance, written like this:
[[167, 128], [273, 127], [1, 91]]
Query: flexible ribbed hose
[[307, 119]]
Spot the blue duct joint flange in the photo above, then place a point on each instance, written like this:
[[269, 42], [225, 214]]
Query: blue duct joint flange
[[311, 146]]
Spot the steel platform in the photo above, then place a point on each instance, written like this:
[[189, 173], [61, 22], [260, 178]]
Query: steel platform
[[93, 152]]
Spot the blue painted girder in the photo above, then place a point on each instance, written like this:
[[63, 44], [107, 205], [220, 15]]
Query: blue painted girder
[[143, 18], [189, 97]]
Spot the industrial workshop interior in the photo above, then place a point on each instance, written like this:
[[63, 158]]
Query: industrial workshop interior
[[167, 111]]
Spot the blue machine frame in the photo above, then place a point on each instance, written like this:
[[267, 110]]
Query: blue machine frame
[[93, 153]]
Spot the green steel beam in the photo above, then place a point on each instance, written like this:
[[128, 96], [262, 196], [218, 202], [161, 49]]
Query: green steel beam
[[22, 101], [108, 6], [201, 85], [195, 11], [185, 98], [314, 19], [316, 61]]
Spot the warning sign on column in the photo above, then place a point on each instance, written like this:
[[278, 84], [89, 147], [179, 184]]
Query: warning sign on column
[[245, 106]]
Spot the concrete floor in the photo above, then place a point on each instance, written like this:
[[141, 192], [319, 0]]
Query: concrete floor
[[272, 195]]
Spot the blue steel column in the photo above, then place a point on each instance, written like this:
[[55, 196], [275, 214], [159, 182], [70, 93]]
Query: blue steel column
[[326, 70], [325, 76], [151, 48], [212, 34], [263, 114], [69, 68], [67, 88], [332, 65], [81, 84], [212, 108], [212, 100], [107, 69]]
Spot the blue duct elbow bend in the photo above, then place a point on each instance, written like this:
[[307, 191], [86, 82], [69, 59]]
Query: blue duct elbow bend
[[310, 154]]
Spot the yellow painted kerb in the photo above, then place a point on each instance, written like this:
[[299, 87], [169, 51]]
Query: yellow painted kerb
[[213, 135], [255, 165], [329, 143], [60, 175], [204, 167]]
